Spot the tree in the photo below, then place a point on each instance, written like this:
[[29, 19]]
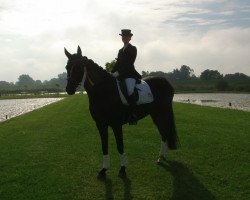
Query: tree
[[25, 80], [144, 74], [221, 85], [109, 66], [236, 77], [62, 76], [5, 84], [59, 82], [62, 79], [38, 83], [209, 75], [158, 73], [184, 73]]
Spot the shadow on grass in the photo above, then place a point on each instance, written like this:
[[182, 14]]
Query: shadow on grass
[[186, 185], [108, 189]]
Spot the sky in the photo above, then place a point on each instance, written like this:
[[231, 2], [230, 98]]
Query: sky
[[203, 34]]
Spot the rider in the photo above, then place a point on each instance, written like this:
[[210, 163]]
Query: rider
[[124, 69]]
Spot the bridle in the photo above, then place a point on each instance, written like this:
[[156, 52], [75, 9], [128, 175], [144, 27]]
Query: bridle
[[85, 73]]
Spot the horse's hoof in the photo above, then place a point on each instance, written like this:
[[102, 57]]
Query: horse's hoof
[[122, 173], [102, 174], [161, 160]]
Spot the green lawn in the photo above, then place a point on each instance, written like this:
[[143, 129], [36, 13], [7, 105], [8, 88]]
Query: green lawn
[[55, 153]]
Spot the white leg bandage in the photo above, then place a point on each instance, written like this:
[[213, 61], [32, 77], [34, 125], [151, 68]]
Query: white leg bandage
[[106, 161], [124, 160], [164, 148]]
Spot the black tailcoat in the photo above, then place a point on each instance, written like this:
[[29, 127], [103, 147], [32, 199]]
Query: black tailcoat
[[125, 63]]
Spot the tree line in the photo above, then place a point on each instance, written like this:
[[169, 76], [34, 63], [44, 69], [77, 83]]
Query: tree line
[[25, 83], [183, 79]]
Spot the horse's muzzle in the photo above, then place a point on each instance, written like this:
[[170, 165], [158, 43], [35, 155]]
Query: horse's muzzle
[[70, 90]]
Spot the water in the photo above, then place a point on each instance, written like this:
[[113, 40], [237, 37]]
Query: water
[[13, 107], [224, 100]]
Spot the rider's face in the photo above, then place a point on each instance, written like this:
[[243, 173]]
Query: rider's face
[[126, 39]]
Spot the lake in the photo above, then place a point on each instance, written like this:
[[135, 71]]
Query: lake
[[14, 107], [224, 100], [10, 108]]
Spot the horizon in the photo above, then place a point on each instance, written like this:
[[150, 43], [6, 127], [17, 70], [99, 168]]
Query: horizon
[[202, 34], [197, 76]]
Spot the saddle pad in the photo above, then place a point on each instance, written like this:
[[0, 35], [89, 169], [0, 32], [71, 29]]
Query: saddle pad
[[144, 92]]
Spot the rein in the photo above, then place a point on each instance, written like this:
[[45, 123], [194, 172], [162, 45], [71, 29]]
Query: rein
[[85, 76]]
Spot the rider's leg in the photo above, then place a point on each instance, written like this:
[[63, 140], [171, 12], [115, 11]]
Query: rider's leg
[[130, 83]]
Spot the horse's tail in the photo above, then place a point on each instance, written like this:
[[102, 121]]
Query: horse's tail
[[163, 114], [171, 134]]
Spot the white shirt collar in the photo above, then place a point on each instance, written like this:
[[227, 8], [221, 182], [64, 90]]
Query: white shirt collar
[[124, 47]]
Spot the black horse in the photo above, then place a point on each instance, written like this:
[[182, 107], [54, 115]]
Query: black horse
[[107, 109]]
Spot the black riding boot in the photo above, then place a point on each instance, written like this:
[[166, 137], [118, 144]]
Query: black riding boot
[[132, 120]]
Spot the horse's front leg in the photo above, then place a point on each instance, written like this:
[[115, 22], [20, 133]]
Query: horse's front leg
[[103, 131], [117, 129]]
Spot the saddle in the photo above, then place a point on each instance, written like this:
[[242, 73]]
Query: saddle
[[142, 92]]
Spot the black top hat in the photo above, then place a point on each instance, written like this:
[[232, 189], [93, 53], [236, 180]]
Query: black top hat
[[126, 32]]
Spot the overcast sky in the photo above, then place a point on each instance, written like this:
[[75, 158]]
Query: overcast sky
[[167, 33]]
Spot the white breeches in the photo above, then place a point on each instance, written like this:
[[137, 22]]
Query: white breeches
[[130, 83]]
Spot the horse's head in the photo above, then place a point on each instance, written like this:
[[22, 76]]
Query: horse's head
[[75, 70]]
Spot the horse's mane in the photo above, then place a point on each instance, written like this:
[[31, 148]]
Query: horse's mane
[[98, 69]]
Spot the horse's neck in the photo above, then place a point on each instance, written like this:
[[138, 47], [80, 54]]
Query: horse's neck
[[97, 75], [94, 86]]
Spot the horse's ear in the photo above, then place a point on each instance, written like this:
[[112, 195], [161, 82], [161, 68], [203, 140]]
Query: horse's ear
[[79, 51], [67, 53]]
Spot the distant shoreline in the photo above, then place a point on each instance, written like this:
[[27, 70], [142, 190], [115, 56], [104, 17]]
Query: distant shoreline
[[212, 92], [31, 96]]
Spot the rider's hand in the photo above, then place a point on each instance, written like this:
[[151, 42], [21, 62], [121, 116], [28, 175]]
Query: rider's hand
[[115, 74]]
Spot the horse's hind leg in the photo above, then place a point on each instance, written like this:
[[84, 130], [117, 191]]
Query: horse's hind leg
[[160, 121], [117, 129], [103, 131]]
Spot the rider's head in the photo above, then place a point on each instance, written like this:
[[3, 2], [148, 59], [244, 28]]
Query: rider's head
[[126, 35]]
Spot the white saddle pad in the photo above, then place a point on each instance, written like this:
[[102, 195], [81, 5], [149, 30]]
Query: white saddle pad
[[144, 92]]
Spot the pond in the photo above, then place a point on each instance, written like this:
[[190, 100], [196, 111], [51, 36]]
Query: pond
[[13, 107], [224, 100]]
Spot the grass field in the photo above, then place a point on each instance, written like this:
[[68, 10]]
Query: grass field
[[55, 153]]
